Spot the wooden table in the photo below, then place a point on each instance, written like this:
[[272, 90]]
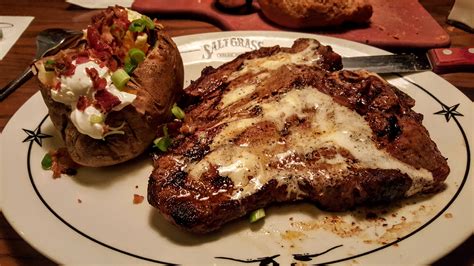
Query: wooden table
[[58, 14]]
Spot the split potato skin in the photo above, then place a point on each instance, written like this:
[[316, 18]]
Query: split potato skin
[[158, 81]]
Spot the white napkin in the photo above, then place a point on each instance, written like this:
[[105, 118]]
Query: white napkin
[[12, 27], [99, 4], [463, 12]]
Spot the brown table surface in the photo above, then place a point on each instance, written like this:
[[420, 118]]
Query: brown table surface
[[58, 14]]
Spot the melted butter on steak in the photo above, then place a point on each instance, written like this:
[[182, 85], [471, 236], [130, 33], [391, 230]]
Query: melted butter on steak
[[330, 125], [307, 56], [286, 124]]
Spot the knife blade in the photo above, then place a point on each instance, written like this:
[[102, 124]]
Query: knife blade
[[441, 60]]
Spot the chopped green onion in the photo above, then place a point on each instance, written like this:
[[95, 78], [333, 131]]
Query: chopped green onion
[[47, 162], [120, 78], [162, 143], [96, 119], [129, 67], [148, 22], [138, 25], [257, 215], [136, 55], [49, 65], [177, 112]]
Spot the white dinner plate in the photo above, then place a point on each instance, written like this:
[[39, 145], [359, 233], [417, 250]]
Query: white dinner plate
[[91, 218]]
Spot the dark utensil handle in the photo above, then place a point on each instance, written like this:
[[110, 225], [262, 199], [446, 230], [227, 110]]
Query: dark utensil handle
[[16, 83]]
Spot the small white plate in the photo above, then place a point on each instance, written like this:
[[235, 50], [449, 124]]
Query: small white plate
[[91, 218]]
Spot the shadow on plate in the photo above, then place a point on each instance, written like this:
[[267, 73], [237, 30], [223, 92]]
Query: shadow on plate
[[103, 177]]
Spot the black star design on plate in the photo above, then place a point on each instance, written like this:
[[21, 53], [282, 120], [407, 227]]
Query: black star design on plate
[[261, 261], [449, 112], [308, 257], [36, 136]]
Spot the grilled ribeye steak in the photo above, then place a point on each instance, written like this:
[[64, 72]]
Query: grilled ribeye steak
[[286, 124]]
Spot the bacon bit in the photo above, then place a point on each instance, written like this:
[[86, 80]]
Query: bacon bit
[[82, 103], [82, 57], [65, 69], [98, 83], [95, 42], [106, 100], [106, 35], [83, 53], [113, 64], [101, 55], [92, 73], [137, 199], [69, 70], [62, 163], [64, 65], [82, 60]]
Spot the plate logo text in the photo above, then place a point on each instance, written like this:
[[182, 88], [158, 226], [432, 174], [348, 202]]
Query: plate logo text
[[247, 43]]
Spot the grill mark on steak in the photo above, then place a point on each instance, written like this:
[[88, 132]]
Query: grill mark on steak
[[228, 144]]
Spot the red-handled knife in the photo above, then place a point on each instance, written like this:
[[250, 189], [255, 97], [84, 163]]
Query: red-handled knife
[[440, 60]]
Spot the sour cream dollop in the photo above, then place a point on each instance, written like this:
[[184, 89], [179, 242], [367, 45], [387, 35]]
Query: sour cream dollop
[[80, 84], [83, 124]]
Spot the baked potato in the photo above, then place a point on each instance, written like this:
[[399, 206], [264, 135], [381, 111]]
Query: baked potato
[[109, 94]]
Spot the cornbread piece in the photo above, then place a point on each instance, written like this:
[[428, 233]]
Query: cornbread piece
[[315, 13]]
